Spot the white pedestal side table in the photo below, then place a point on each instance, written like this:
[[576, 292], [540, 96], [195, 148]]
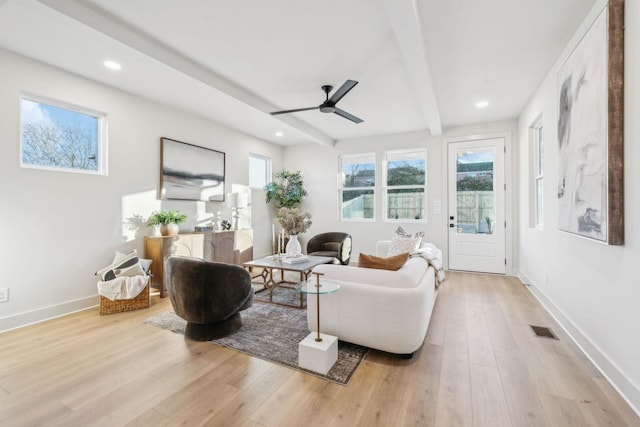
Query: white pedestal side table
[[318, 352]]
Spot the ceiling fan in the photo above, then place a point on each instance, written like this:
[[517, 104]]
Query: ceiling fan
[[329, 105]]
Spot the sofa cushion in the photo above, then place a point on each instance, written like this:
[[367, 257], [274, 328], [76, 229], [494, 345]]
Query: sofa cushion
[[390, 263], [408, 276]]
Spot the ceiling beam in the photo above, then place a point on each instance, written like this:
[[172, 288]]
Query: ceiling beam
[[116, 29], [405, 21]]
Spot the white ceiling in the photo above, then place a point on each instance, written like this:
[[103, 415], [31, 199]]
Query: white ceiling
[[421, 64]]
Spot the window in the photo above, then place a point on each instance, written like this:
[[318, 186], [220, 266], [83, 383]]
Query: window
[[405, 185], [259, 171], [60, 136], [537, 177], [356, 187]]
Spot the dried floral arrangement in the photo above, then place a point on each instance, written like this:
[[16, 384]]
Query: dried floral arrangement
[[293, 221]]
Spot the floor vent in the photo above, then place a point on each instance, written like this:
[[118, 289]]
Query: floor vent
[[543, 331]]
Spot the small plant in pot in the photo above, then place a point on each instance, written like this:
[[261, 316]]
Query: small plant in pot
[[168, 221]]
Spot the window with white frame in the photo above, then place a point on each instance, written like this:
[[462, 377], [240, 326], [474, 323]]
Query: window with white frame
[[537, 176], [405, 185], [55, 135], [259, 171], [356, 186]]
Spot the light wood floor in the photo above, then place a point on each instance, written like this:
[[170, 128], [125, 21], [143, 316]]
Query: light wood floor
[[480, 366]]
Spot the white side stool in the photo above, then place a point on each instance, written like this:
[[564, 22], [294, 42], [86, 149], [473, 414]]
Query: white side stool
[[318, 356]]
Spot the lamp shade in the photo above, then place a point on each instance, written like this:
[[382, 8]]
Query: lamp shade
[[242, 200], [232, 200]]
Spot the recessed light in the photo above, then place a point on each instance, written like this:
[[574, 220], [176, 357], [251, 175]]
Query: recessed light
[[112, 65], [482, 104], [279, 134]]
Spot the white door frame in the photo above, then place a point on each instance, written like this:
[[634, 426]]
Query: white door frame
[[508, 179]]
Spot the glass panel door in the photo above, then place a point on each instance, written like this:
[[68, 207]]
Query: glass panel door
[[476, 205], [474, 191]]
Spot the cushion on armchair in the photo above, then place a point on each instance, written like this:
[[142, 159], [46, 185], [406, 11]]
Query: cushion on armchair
[[336, 245], [331, 247]]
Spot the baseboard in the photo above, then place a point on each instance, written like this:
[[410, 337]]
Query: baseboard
[[46, 313], [629, 391]]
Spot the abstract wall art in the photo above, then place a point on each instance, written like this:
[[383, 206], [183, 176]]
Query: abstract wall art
[[191, 172], [590, 137]]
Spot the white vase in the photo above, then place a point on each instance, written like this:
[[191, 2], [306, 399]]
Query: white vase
[[293, 248], [170, 229]]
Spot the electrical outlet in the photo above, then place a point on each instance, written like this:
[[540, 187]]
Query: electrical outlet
[[4, 294]]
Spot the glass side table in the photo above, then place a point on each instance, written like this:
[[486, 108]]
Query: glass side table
[[315, 286], [318, 353]]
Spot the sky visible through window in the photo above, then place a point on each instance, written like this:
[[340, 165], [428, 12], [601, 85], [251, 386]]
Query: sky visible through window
[[475, 156], [36, 112], [58, 137], [419, 164]]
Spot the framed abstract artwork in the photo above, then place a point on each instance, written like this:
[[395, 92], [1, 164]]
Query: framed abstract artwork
[[191, 172], [590, 131]]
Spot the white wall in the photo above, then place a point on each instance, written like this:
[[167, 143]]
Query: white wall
[[320, 166], [59, 228], [593, 289]]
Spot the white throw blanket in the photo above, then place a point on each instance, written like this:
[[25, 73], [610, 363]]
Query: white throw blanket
[[433, 255], [123, 287]]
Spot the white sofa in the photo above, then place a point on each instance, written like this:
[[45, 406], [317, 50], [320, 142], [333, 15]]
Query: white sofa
[[381, 309]]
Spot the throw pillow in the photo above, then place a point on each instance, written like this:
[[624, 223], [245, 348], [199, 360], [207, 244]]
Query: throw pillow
[[401, 245], [400, 232], [123, 265], [146, 265], [390, 263]]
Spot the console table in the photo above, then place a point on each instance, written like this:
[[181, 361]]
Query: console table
[[229, 246]]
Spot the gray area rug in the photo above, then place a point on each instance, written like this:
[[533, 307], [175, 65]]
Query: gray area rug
[[272, 332]]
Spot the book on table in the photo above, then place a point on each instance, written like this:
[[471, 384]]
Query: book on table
[[295, 259]]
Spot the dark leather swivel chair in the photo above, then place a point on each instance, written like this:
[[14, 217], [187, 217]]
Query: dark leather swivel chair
[[208, 295], [333, 244]]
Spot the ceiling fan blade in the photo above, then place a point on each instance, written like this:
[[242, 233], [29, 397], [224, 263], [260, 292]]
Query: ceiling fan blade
[[342, 91], [348, 116], [293, 111]]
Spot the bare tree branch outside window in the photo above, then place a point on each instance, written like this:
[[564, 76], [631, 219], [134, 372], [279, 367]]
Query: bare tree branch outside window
[[70, 148], [57, 137]]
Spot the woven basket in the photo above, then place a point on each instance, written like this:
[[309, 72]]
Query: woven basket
[[117, 306]]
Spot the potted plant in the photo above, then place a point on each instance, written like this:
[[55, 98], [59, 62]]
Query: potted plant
[[286, 190], [168, 221]]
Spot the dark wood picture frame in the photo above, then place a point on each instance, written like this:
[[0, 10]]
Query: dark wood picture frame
[[616, 122]]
